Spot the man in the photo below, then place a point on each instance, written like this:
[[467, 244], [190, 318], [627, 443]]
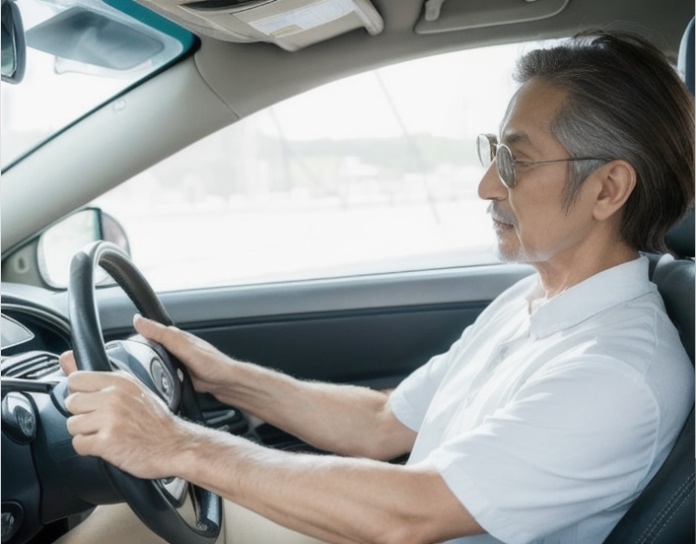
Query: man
[[549, 415]]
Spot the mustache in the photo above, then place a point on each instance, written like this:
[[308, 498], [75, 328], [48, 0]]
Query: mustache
[[501, 216]]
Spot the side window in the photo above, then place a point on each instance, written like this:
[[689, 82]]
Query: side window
[[372, 174]]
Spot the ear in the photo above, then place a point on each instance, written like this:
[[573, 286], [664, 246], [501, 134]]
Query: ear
[[616, 180]]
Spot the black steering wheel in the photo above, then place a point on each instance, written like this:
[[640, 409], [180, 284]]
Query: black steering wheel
[[177, 511]]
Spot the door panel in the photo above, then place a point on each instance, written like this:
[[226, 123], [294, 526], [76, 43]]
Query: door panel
[[360, 346]]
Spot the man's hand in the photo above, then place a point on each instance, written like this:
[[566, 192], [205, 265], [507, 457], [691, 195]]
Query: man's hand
[[117, 418], [208, 367]]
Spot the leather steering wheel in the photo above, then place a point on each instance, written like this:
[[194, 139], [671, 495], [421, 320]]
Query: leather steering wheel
[[177, 511]]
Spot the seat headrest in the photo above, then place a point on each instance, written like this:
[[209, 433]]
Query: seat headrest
[[686, 56], [680, 238]]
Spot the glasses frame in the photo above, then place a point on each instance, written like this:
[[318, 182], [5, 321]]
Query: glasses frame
[[489, 150]]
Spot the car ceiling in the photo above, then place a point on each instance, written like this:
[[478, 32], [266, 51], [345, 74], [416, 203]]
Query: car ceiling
[[255, 75], [225, 81]]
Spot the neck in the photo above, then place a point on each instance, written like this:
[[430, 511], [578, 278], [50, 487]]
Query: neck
[[563, 272]]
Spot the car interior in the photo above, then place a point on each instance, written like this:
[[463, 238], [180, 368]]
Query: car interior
[[222, 62]]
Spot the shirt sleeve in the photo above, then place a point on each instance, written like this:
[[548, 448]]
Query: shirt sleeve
[[574, 442], [410, 400]]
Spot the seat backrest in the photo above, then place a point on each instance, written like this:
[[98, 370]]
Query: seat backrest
[[664, 512]]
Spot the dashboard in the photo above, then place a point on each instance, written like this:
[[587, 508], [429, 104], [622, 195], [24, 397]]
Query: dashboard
[[32, 338], [47, 488]]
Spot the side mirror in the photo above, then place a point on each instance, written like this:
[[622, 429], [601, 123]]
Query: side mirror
[[45, 260], [13, 43], [58, 244]]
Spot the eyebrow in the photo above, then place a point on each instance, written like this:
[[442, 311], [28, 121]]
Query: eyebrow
[[517, 138]]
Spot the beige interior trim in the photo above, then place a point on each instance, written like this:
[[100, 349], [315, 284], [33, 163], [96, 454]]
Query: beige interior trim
[[290, 24], [449, 15]]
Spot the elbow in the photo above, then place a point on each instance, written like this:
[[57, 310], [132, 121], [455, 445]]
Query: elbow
[[386, 445], [379, 451], [380, 446]]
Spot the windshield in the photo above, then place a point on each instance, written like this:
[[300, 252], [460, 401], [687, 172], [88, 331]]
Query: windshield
[[80, 54]]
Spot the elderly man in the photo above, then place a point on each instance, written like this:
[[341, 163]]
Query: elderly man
[[550, 414]]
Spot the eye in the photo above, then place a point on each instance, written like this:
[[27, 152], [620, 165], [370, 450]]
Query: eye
[[522, 164]]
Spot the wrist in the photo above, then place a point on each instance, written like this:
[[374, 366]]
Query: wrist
[[186, 448], [229, 384], [204, 457]]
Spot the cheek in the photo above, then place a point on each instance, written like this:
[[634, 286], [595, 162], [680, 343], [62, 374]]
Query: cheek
[[538, 214], [542, 227]]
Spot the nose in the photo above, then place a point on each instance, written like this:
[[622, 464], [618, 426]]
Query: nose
[[491, 186]]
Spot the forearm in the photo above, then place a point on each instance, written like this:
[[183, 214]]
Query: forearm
[[331, 498], [342, 419]]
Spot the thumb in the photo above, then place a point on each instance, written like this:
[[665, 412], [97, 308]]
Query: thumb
[[152, 330], [169, 337], [67, 362]]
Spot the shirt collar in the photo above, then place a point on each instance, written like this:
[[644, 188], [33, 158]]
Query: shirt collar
[[610, 287]]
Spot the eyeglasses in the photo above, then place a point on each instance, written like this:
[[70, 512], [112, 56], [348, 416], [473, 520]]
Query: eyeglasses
[[489, 149]]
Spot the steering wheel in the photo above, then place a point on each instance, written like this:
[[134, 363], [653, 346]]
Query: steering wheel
[[177, 511]]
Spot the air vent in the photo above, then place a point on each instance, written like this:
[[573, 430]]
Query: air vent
[[33, 365]]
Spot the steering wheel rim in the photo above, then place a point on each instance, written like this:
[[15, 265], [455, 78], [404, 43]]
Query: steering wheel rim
[[147, 498]]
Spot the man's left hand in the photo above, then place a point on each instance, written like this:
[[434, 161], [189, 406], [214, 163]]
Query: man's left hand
[[117, 418]]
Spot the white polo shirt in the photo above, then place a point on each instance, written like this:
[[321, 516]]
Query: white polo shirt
[[547, 420]]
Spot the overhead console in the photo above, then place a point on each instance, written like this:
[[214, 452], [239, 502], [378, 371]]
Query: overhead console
[[290, 24]]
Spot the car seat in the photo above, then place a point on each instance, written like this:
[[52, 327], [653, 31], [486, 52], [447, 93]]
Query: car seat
[[664, 512]]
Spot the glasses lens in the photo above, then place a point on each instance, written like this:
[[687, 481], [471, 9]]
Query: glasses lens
[[506, 166], [486, 150]]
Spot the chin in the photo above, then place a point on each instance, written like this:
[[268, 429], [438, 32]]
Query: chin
[[519, 255]]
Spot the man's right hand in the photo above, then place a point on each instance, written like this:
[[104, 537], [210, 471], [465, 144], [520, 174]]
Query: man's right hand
[[208, 367]]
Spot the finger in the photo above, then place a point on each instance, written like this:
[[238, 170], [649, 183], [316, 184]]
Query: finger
[[83, 424], [88, 381], [152, 330], [84, 444], [88, 436], [67, 362], [149, 328], [170, 337], [83, 403]]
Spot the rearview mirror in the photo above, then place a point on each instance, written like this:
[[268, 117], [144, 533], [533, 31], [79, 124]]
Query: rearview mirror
[[13, 44]]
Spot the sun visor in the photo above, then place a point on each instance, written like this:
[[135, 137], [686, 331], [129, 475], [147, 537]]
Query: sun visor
[[448, 15], [290, 24]]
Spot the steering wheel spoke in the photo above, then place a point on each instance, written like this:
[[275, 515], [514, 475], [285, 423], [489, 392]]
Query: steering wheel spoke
[[175, 489]]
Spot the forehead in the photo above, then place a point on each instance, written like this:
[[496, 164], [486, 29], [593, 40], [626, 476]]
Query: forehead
[[530, 114]]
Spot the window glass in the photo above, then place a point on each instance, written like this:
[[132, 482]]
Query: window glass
[[375, 173]]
